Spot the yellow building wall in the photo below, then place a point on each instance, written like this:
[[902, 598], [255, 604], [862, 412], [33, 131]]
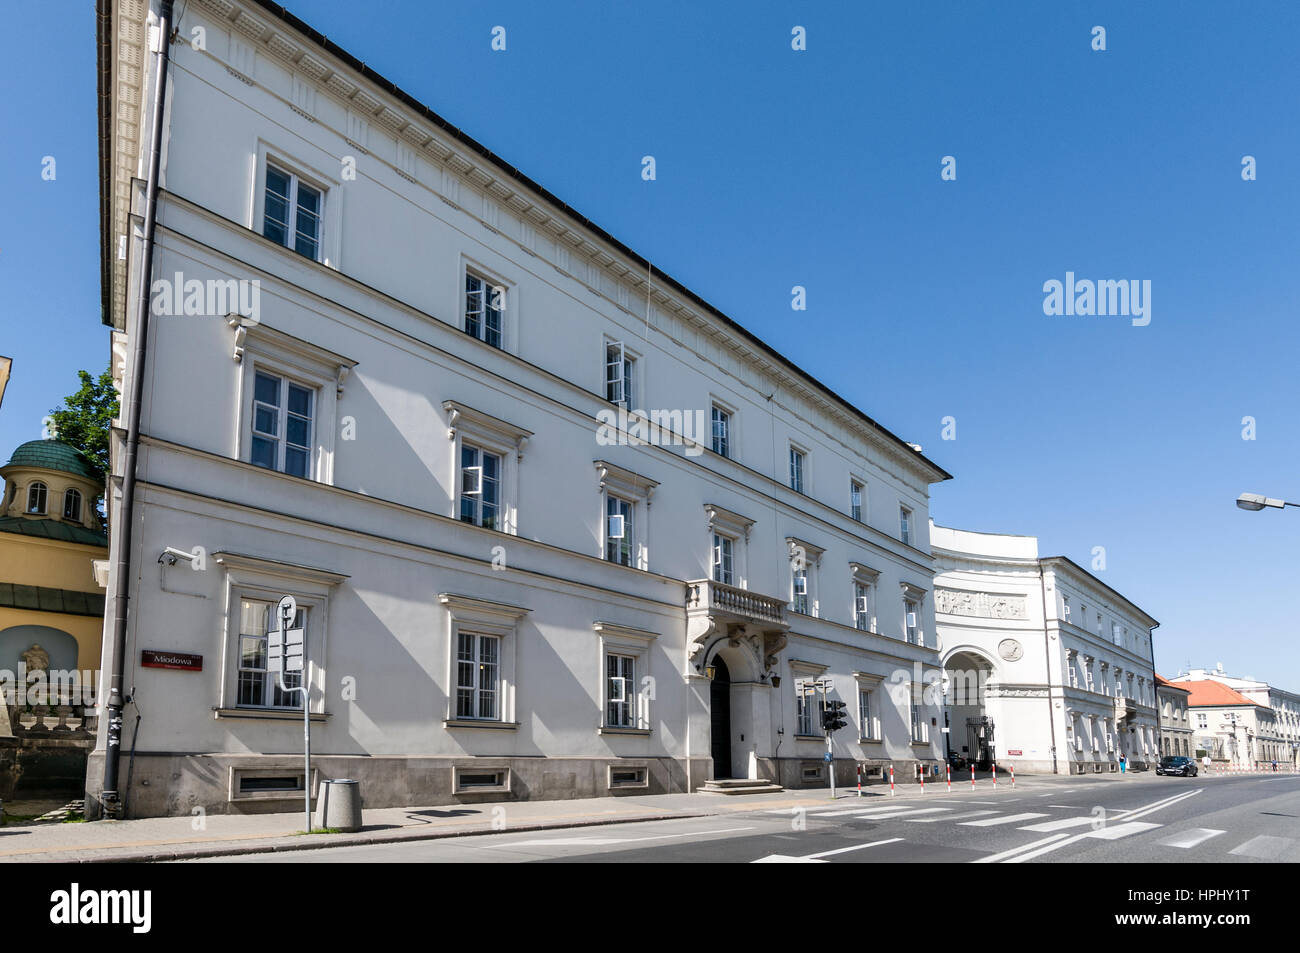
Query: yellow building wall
[[30, 561]]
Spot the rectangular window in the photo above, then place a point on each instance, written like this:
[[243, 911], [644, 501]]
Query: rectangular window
[[861, 607], [919, 727], [619, 546], [855, 500], [721, 432], [1202, 721], [478, 676], [480, 487], [484, 304], [905, 525], [282, 425], [292, 212], [620, 691], [723, 562], [796, 470], [619, 368], [868, 727], [800, 601], [257, 687], [912, 620], [808, 709]]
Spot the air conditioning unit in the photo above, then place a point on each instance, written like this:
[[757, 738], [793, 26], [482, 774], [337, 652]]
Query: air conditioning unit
[[861, 604], [616, 528], [911, 620]]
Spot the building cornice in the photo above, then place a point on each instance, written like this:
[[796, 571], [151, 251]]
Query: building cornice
[[324, 68]]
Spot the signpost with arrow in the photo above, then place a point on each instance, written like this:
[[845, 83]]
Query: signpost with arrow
[[286, 651]]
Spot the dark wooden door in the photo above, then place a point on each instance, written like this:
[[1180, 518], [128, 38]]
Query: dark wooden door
[[720, 719]]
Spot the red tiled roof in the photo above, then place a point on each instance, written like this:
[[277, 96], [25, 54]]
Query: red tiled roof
[[1208, 693], [1165, 683]]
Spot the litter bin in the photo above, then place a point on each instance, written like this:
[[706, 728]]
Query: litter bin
[[338, 804]]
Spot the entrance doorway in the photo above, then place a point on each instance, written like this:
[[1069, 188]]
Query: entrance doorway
[[720, 718]]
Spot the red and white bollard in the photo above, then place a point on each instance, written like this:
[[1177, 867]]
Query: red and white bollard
[[972, 777], [995, 777], [922, 779], [949, 767], [1012, 769], [891, 780], [859, 779]]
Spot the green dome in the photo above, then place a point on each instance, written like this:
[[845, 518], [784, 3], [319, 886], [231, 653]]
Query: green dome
[[54, 455]]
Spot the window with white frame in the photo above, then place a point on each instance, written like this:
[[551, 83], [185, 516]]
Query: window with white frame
[[289, 396], [799, 586], [1202, 720], [36, 498], [856, 489], [480, 487], [1065, 608], [625, 508], [72, 505], [862, 606], [920, 727], [620, 531], [1115, 633], [1072, 663], [868, 723], [258, 686], [864, 596], [292, 212], [485, 303], [905, 525], [809, 704], [724, 559], [620, 691], [798, 464], [620, 370], [627, 688], [478, 676], [253, 589], [282, 425], [912, 620], [721, 422]]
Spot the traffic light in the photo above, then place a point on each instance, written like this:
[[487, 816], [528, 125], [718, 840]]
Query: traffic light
[[834, 716]]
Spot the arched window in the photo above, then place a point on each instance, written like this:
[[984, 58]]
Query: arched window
[[36, 498], [72, 505]]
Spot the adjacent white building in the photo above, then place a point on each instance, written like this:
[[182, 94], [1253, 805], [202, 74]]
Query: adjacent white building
[[389, 375], [1250, 722], [1045, 666]]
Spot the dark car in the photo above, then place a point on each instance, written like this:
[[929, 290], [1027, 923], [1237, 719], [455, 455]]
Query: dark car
[[1183, 767]]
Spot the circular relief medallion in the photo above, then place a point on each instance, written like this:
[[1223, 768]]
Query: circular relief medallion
[[1010, 649]]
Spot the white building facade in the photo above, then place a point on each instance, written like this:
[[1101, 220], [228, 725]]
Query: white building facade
[[416, 422], [1046, 668], [1262, 725]]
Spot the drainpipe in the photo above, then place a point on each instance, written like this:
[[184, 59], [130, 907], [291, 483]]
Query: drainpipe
[[110, 797], [1047, 651]]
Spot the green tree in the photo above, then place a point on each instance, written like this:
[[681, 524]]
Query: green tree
[[85, 417]]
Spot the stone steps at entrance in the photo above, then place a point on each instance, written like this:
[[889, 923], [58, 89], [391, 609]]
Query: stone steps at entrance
[[740, 786]]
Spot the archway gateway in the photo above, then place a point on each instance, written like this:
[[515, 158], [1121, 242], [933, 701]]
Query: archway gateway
[[970, 729], [720, 719]]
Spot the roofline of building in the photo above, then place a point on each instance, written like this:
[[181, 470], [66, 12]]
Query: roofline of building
[[287, 18], [1050, 560]]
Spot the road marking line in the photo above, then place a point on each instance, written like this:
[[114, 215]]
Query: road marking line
[[1264, 847], [994, 821], [845, 850], [1109, 833], [605, 841], [1190, 838], [1143, 812], [999, 858], [1048, 827], [950, 817], [871, 811]]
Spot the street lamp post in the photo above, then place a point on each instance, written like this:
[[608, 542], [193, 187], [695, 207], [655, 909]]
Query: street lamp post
[[1257, 501]]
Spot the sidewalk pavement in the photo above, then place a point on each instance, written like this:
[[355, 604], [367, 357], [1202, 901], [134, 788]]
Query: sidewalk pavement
[[217, 835]]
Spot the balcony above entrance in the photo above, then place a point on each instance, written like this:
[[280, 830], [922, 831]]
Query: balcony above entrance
[[714, 609]]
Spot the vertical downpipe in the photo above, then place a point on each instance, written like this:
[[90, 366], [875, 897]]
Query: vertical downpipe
[[110, 797]]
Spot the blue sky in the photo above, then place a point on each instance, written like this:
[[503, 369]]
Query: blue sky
[[822, 168]]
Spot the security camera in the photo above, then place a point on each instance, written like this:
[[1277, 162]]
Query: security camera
[[171, 554]]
